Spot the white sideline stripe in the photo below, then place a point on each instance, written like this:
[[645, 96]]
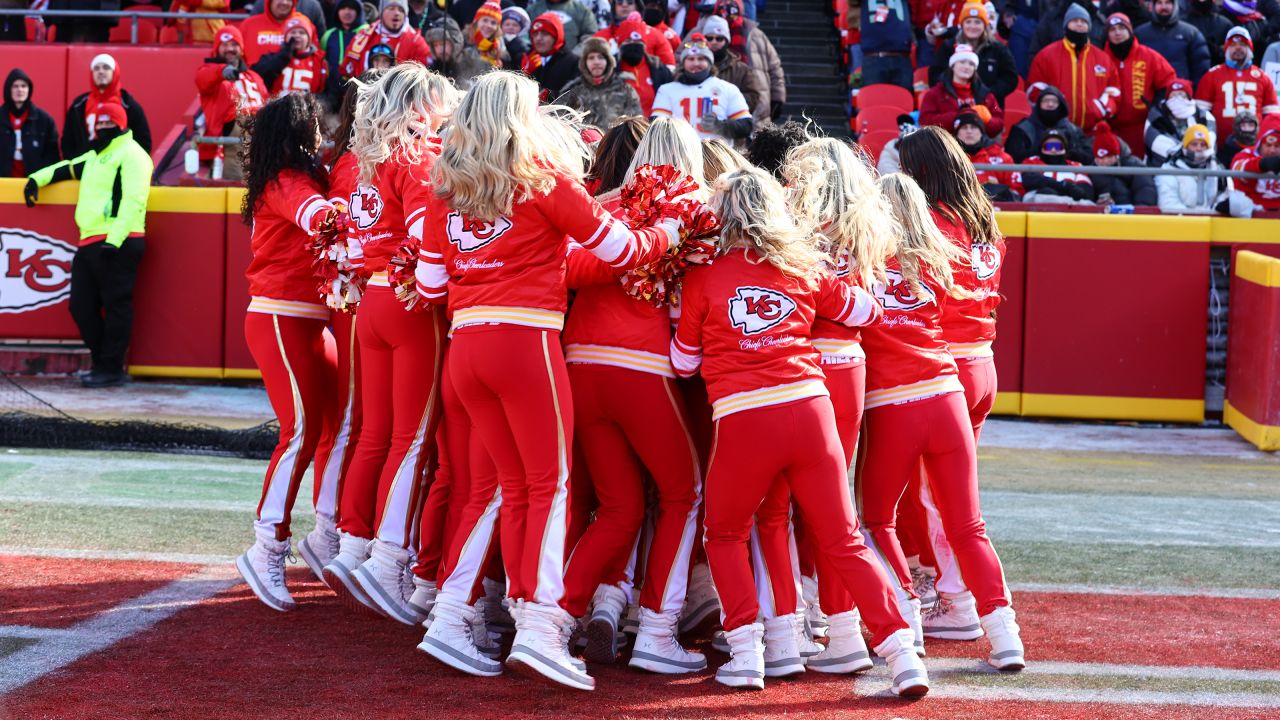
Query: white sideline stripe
[[78, 554], [110, 627], [143, 503], [1104, 696], [28, 632], [942, 667], [1212, 592]]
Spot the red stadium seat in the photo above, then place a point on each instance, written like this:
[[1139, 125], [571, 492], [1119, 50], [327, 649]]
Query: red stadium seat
[[157, 22], [122, 33], [169, 36], [873, 142], [885, 95], [920, 83], [1016, 107], [879, 117]]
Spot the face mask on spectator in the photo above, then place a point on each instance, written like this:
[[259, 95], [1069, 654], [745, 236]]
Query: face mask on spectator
[[1053, 151], [1181, 108], [103, 137], [632, 53], [654, 16], [1245, 136], [1051, 117]]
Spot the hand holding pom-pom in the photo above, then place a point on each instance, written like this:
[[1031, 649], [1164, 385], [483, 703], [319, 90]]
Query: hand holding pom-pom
[[400, 275], [660, 195], [338, 261]]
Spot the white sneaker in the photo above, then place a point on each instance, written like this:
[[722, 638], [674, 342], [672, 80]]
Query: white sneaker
[[495, 609], [910, 610], [923, 582], [657, 649], [910, 679], [745, 668], [815, 619], [602, 630], [953, 617], [320, 546], [781, 654], [719, 641], [450, 640], [542, 645], [485, 641], [1002, 630], [701, 602], [846, 651], [804, 638], [423, 599], [352, 552], [262, 566], [384, 577]]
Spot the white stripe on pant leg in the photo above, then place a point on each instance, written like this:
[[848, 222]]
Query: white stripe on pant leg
[[628, 583], [764, 585], [795, 557], [327, 502], [949, 578], [471, 561], [550, 587], [273, 510], [673, 594]]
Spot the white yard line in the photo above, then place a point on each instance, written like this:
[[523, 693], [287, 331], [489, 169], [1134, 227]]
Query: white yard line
[[27, 632], [942, 667], [78, 554], [112, 626], [141, 503], [1212, 592], [1101, 696]]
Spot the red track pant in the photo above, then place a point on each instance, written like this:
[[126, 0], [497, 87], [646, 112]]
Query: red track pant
[[328, 486], [627, 422], [513, 383], [796, 444], [936, 430], [400, 358], [298, 361]]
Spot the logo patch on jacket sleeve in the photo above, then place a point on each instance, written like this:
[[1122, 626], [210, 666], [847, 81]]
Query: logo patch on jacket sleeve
[[897, 295], [470, 234], [985, 259], [366, 206], [755, 309]]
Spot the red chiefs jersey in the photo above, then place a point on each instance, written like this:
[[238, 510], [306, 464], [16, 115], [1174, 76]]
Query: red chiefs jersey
[[512, 269], [1087, 79], [993, 154], [641, 80], [907, 358], [407, 44], [1224, 91], [838, 343], [343, 178], [1144, 76], [606, 326], [282, 278], [655, 43], [221, 100], [969, 324], [263, 34], [384, 212], [747, 325], [1265, 191], [302, 74]]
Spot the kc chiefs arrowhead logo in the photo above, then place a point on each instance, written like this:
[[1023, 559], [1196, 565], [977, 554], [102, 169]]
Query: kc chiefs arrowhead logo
[[754, 309], [985, 259], [366, 206], [897, 294], [470, 234]]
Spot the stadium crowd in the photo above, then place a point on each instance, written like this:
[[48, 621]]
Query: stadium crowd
[[1060, 83]]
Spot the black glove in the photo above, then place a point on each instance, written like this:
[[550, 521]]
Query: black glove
[[31, 192], [1073, 191], [231, 73], [775, 109], [1223, 208], [1270, 164]]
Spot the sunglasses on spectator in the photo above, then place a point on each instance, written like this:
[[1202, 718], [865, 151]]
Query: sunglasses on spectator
[[716, 39], [1053, 147]]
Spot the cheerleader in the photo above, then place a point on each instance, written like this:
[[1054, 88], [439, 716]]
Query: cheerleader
[[285, 325], [915, 410], [508, 195], [964, 214], [833, 188], [749, 314], [630, 420], [401, 352]]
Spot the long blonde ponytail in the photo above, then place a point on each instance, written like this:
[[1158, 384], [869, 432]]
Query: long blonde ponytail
[[921, 247], [753, 215]]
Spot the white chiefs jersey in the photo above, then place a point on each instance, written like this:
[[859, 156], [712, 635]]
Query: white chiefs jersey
[[712, 96]]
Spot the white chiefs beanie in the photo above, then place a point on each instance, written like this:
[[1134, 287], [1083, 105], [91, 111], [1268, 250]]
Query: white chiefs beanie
[[963, 52]]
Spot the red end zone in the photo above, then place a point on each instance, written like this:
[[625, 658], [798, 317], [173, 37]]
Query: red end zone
[[58, 592]]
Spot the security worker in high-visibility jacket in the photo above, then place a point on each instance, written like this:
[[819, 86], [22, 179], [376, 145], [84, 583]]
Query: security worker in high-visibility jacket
[[111, 211]]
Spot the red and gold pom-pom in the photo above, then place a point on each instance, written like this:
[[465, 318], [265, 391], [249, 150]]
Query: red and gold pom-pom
[[400, 275], [338, 262], [654, 194]]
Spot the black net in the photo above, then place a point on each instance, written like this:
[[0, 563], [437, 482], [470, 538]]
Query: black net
[[27, 420]]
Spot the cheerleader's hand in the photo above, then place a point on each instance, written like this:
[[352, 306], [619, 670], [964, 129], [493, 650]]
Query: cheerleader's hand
[[672, 226]]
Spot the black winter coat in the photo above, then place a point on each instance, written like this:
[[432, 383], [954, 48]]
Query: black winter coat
[[39, 133], [995, 67], [75, 133]]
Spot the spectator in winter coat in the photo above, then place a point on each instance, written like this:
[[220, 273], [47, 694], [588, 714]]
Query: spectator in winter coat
[[753, 48], [1144, 76], [1244, 134], [655, 42], [654, 14], [730, 68], [1236, 84], [1048, 112], [1205, 16], [888, 161], [712, 106], [643, 72], [970, 131], [451, 56], [550, 63], [298, 66], [599, 90], [200, 31], [1169, 119], [1271, 63], [1179, 42], [391, 29], [1111, 151], [1083, 72], [228, 88], [515, 35], [484, 35], [887, 39], [961, 90], [105, 77], [264, 32], [1052, 24], [28, 135], [1138, 11], [1263, 193], [348, 21], [1184, 194], [577, 21], [995, 63], [1059, 184]]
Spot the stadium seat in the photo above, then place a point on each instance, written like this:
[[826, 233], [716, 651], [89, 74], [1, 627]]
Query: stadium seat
[[33, 26], [885, 95], [879, 117], [169, 36], [121, 34], [1016, 107], [920, 83], [873, 142], [157, 22]]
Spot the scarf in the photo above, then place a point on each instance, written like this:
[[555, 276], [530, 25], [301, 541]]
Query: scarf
[[488, 48], [738, 38], [533, 61]]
